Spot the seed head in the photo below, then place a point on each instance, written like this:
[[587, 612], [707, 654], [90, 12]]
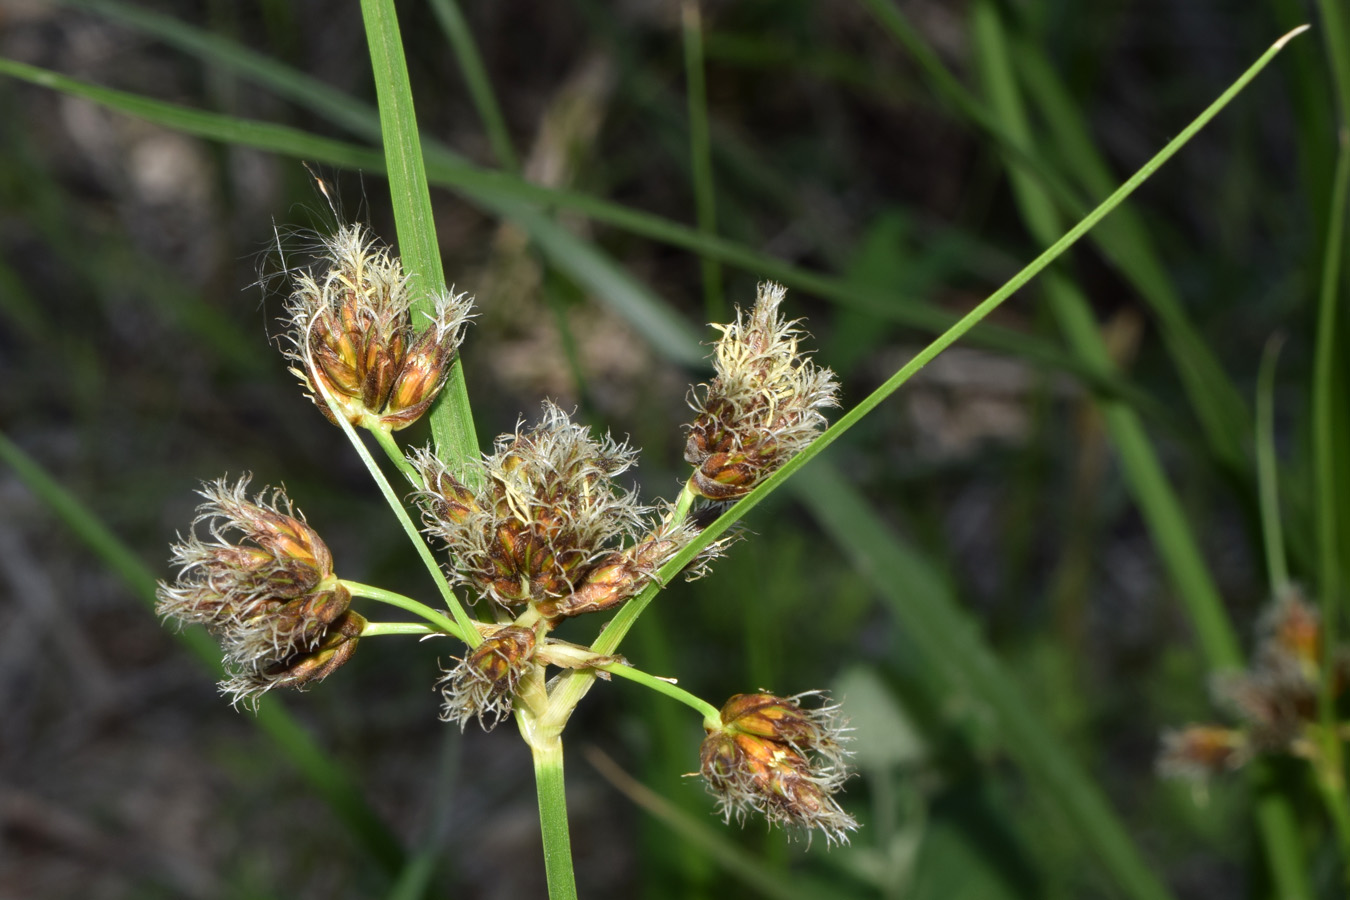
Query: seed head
[[1289, 639], [301, 668], [483, 685], [1277, 696], [1275, 700], [352, 330], [1198, 751], [620, 575], [549, 520], [762, 408], [774, 757], [261, 581]]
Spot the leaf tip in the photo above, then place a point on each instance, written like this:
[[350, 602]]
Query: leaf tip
[[1279, 45]]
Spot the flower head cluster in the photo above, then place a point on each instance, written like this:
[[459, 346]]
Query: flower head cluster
[[774, 757], [1274, 700], [353, 335], [549, 522], [483, 685], [262, 582], [762, 408]]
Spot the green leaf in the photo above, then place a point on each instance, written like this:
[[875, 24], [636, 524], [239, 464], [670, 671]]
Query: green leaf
[[452, 416], [1125, 240]]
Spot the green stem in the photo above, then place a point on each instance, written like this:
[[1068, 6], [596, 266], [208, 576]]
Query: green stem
[[1330, 780], [622, 622], [683, 504], [1337, 42], [1268, 471], [379, 629], [711, 717], [1325, 396], [391, 449], [439, 619], [548, 779]]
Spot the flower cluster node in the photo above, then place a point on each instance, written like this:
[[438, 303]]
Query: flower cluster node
[[483, 685], [354, 337], [548, 524], [763, 406], [774, 757], [262, 582]]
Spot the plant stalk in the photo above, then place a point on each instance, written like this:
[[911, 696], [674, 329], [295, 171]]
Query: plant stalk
[[548, 780], [438, 619]]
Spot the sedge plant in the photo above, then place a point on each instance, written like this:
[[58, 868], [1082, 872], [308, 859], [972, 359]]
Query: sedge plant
[[543, 528]]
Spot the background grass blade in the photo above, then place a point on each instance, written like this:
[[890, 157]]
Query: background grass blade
[[1123, 240], [1172, 535], [700, 155], [326, 777], [1277, 566], [918, 597], [1327, 420], [301, 89], [476, 79], [492, 189]]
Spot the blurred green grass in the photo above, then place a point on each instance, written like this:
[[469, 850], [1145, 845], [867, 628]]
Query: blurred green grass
[[133, 371]]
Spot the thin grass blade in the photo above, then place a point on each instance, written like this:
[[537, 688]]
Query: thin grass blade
[[301, 89], [1267, 466], [921, 599], [456, 29], [1126, 242], [1221, 411]]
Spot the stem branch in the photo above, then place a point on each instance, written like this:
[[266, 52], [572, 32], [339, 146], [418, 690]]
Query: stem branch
[[439, 619], [711, 716]]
